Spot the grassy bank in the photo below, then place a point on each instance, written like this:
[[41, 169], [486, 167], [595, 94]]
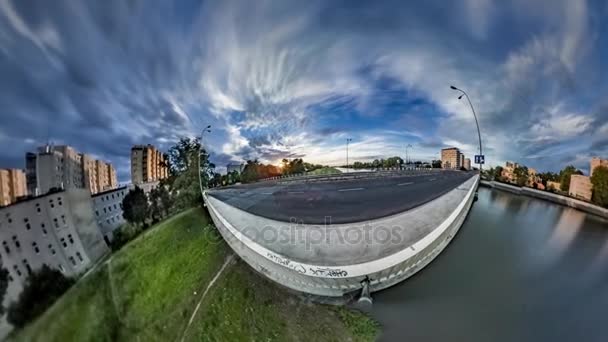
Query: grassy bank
[[324, 171], [150, 289]]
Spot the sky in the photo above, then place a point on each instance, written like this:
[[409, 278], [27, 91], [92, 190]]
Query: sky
[[287, 79]]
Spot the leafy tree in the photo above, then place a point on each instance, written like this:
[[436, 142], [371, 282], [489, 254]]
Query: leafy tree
[[521, 175], [42, 287], [548, 176], [599, 180], [3, 287], [564, 176], [160, 202], [436, 164], [184, 159], [135, 206]]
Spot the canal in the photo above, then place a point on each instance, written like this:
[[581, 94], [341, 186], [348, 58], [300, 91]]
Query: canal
[[520, 269]]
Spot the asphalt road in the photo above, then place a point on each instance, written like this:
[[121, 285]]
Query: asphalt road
[[341, 201]]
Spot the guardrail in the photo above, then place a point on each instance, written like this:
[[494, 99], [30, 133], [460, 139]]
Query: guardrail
[[302, 177]]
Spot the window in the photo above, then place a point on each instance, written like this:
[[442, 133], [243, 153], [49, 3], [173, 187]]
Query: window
[[38, 209], [26, 220], [16, 242], [79, 256], [27, 266], [35, 246], [27, 226], [73, 261], [112, 195], [115, 207], [43, 229], [17, 270], [60, 203], [104, 210], [96, 213], [70, 238], [63, 219], [65, 245], [6, 249], [52, 249], [61, 268], [108, 220]]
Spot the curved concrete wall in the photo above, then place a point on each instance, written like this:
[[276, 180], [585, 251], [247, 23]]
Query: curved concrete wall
[[337, 280]]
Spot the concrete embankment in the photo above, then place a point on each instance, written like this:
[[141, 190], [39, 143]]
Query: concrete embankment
[[548, 196], [333, 260]]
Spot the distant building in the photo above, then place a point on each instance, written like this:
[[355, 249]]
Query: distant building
[[235, 167], [596, 162], [451, 158], [580, 187], [12, 186], [108, 211], [461, 161], [553, 185], [147, 164], [57, 229], [467, 163], [62, 167]]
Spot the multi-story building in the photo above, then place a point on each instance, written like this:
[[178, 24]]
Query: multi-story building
[[596, 162], [147, 164], [461, 162], [12, 186], [108, 211], [451, 158], [62, 167], [57, 229], [580, 187], [467, 163], [235, 167]]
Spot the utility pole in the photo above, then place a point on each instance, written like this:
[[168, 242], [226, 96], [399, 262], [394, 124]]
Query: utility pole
[[348, 140]]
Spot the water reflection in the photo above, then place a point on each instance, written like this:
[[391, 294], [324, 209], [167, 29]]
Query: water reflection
[[520, 269]]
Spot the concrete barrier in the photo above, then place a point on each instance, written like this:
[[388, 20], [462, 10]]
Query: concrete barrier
[[334, 269], [551, 197]]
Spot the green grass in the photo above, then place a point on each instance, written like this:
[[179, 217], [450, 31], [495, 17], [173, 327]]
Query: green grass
[[150, 288], [324, 171]]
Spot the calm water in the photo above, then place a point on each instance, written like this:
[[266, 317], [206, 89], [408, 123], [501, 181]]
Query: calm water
[[520, 269]]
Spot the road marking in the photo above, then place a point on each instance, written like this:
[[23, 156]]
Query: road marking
[[295, 192], [266, 193], [353, 189], [407, 183]]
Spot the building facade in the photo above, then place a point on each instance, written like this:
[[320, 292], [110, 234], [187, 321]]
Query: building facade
[[147, 164], [451, 158], [12, 186], [108, 211], [62, 167], [596, 162], [57, 229], [580, 187], [467, 163]]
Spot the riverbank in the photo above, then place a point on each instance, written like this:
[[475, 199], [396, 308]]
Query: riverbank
[[180, 282], [548, 196]]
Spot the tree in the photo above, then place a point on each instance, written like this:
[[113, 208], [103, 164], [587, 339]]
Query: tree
[[135, 208], [436, 164], [599, 180], [564, 176], [521, 175], [160, 202], [42, 287]]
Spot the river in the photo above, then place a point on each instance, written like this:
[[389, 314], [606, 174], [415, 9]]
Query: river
[[520, 269]]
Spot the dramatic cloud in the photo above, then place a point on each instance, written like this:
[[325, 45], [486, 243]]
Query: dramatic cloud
[[285, 79]]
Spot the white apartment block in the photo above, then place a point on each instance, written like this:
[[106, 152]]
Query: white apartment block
[[57, 229], [108, 211]]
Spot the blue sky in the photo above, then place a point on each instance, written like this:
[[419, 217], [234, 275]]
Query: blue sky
[[282, 79]]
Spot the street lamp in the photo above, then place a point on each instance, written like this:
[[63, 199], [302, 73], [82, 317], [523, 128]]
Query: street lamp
[[200, 181], [476, 122], [407, 158], [347, 141]]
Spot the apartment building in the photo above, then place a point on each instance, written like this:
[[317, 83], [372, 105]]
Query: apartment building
[[580, 187], [62, 167], [57, 229], [596, 162], [108, 211], [147, 164], [12, 186], [467, 163], [451, 158]]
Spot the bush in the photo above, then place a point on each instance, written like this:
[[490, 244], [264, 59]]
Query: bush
[[42, 288]]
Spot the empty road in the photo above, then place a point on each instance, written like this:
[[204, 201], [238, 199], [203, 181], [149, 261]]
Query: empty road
[[342, 201]]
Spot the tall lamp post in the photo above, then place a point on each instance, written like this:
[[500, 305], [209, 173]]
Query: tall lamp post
[[407, 158], [348, 140], [476, 122], [200, 180]]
